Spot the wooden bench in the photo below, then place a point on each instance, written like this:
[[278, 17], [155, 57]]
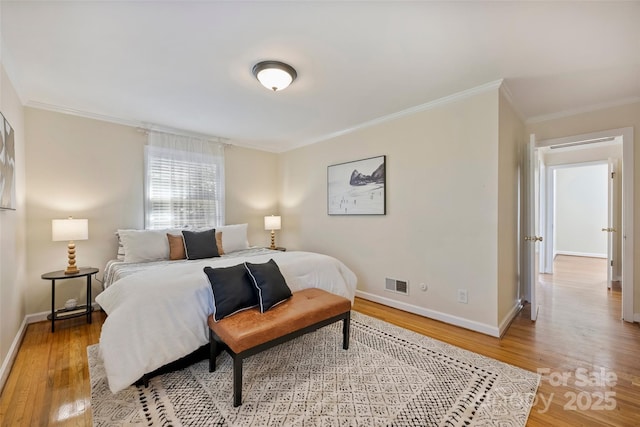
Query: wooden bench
[[249, 332]]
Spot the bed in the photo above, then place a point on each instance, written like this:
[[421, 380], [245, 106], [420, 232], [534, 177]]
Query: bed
[[158, 310]]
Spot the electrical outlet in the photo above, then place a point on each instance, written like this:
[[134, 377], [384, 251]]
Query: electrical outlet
[[462, 296], [423, 287]]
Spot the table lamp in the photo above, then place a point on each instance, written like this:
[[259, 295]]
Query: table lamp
[[272, 223], [70, 230]]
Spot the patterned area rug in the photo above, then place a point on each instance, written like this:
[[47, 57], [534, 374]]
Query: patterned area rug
[[389, 377]]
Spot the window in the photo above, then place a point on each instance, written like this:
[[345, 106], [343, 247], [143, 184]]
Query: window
[[184, 184]]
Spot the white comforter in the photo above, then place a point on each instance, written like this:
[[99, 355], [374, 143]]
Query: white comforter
[[160, 315]]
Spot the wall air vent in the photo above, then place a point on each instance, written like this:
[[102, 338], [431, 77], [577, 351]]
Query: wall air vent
[[397, 286]]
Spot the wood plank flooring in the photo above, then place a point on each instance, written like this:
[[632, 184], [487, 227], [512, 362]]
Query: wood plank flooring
[[592, 357]]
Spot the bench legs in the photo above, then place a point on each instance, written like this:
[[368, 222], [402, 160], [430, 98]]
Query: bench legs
[[213, 351], [346, 324], [237, 381], [239, 357]]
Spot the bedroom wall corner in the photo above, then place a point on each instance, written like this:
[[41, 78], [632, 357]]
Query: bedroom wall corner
[[13, 250], [510, 149], [442, 208], [251, 191]]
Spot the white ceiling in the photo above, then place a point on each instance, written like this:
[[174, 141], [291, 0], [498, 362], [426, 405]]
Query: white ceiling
[[187, 65]]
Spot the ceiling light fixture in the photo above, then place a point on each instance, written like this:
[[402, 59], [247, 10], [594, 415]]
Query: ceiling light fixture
[[274, 75]]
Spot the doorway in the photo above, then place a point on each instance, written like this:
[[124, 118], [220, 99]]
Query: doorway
[[582, 213], [600, 146]]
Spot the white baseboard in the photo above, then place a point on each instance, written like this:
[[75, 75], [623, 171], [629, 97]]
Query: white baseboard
[[7, 364], [506, 322], [39, 317], [432, 314], [584, 254]]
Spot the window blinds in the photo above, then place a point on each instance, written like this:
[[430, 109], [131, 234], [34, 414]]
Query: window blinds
[[184, 182]]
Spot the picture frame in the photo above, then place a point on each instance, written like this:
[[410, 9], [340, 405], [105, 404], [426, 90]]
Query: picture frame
[[7, 165], [357, 187]]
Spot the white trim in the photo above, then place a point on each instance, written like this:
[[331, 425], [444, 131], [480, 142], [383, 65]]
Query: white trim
[[432, 314], [140, 126], [506, 322], [85, 114], [17, 341], [37, 317], [407, 112], [549, 231], [627, 225], [584, 254], [627, 206], [42, 316], [581, 110], [581, 137], [7, 364], [636, 317], [506, 92]]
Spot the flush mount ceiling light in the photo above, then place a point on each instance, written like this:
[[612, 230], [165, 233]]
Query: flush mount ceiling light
[[274, 75]]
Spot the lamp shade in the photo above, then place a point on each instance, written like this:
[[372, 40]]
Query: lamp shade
[[69, 229], [272, 222]]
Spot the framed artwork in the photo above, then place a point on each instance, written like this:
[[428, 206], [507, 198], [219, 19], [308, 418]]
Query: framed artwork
[[7, 165], [357, 188]]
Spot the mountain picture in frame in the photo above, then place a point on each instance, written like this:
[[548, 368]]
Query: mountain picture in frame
[[357, 187]]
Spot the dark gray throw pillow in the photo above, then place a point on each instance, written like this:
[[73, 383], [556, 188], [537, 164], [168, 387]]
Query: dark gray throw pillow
[[200, 244], [232, 290], [269, 282]]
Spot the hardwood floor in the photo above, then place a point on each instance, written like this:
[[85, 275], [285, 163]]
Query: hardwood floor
[[49, 382], [591, 356]]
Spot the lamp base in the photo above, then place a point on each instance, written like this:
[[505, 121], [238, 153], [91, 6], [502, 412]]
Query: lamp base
[[273, 240], [72, 270], [71, 254]]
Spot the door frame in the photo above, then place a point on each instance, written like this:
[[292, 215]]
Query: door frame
[[627, 205]]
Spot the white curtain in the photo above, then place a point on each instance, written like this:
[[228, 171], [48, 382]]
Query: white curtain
[[184, 182]]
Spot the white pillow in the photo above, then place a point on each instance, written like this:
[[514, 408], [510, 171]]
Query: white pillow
[[234, 237], [145, 245]]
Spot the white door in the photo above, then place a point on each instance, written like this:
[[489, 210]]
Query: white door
[[612, 227], [530, 264], [540, 207]]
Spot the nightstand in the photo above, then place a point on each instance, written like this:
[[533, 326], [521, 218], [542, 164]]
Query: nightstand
[[77, 311]]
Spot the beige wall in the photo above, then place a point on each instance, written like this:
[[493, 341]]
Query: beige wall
[[581, 210], [94, 169], [86, 169], [12, 233], [441, 225], [251, 192], [511, 140], [594, 121]]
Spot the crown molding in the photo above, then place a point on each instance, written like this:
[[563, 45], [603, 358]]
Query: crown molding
[[140, 126], [506, 92], [407, 112], [84, 114], [581, 110]]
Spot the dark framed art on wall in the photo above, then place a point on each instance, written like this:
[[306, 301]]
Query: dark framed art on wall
[[7, 165], [357, 187]]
